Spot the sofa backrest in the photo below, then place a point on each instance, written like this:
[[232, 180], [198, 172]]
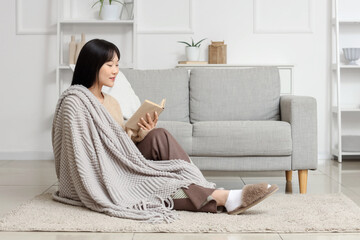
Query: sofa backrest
[[234, 94], [154, 85]]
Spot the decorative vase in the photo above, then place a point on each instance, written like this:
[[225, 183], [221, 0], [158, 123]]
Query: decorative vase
[[351, 55], [110, 12], [192, 53], [127, 10], [217, 53], [79, 46], [72, 50]]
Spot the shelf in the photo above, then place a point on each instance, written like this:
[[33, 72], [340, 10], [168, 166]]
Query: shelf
[[61, 67], [346, 21], [343, 66], [348, 153], [91, 21], [345, 109], [349, 21], [128, 30], [335, 152]]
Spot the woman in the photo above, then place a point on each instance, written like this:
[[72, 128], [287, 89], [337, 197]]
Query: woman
[[97, 66]]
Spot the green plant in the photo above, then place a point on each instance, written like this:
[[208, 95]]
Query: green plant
[[192, 43], [102, 4]]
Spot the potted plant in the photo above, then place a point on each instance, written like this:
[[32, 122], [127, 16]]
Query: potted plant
[[109, 11], [192, 49]]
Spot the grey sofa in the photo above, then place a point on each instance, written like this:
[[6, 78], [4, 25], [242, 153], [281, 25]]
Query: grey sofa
[[234, 119]]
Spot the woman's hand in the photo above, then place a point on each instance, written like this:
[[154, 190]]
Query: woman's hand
[[149, 124]]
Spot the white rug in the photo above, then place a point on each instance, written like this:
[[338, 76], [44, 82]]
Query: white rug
[[279, 213]]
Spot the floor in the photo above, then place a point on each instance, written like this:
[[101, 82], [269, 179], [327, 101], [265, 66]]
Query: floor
[[22, 180]]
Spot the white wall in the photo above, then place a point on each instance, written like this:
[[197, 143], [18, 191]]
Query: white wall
[[28, 93]]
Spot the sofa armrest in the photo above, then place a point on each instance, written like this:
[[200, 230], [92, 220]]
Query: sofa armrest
[[301, 113]]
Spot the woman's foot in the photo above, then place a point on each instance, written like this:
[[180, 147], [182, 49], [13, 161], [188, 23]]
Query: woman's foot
[[240, 200]]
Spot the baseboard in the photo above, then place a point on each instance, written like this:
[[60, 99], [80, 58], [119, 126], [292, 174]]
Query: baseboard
[[324, 156], [26, 155]]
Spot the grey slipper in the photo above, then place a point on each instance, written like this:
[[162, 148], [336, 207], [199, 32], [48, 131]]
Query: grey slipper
[[252, 194]]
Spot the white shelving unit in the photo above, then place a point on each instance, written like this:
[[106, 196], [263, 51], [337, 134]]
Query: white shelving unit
[[67, 25], [338, 79]]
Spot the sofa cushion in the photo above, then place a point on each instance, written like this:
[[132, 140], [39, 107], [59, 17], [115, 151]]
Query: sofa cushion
[[234, 94], [243, 163], [181, 131], [242, 138], [154, 85]]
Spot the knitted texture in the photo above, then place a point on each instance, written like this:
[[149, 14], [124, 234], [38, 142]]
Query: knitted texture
[[99, 167]]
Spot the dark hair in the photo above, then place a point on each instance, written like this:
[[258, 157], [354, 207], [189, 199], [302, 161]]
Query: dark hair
[[92, 56]]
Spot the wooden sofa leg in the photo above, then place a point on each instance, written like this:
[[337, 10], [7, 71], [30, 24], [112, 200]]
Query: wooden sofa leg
[[303, 174], [288, 176]]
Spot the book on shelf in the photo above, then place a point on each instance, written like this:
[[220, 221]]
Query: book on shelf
[[146, 107]]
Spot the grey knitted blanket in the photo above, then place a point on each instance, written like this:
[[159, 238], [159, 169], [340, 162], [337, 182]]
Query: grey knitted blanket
[[99, 167]]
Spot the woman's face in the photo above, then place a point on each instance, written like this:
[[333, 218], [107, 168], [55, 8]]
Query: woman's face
[[108, 72]]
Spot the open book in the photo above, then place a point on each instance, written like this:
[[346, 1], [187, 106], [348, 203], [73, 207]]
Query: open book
[[146, 107]]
